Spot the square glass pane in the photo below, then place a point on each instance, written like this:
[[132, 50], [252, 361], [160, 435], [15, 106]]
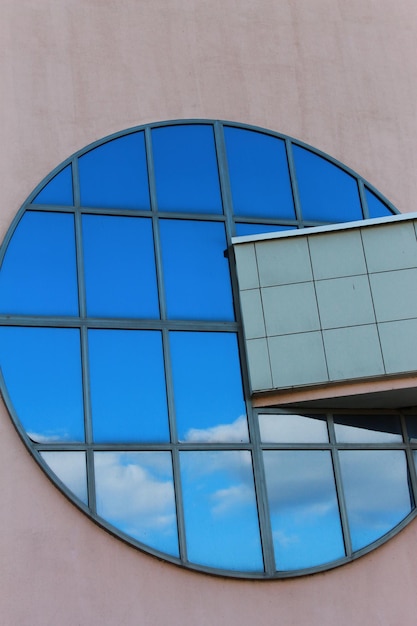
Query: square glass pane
[[42, 372], [327, 193], [259, 229], [196, 273], [187, 178], [119, 263], [281, 428], [39, 273], [376, 208], [377, 496], [303, 505], [115, 175], [221, 520], [208, 393], [259, 175], [58, 190], [367, 429], [70, 468], [127, 381], [135, 493]]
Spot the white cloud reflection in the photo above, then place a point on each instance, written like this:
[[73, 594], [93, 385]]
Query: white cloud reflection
[[236, 432], [135, 492], [71, 470]]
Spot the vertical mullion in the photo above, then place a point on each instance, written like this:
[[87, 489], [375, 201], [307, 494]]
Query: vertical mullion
[[155, 224], [362, 198], [339, 487], [91, 489], [224, 180], [412, 474], [294, 184], [262, 500]]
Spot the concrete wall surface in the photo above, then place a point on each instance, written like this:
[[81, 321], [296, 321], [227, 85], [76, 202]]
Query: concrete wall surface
[[338, 75], [333, 306]]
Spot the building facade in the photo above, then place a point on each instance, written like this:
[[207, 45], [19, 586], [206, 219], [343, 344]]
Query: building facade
[[334, 76]]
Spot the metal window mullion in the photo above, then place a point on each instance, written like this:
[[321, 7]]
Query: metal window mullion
[[339, 488], [362, 198], [264, 515], [155, 225], [182, 540], [224, 179], [174, 446], [411, 466], [294, 183]]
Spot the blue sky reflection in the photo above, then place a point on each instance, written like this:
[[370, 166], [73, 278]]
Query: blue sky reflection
[[221, 519], [376, 492], [127, 386], [42, 372], [135, 493], [304, 510], [208, 390]]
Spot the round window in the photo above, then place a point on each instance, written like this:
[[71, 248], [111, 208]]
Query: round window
[[123, 365]]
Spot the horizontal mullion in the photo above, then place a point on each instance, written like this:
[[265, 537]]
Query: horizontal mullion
[[336, 446], [139, 447], [133, 324]]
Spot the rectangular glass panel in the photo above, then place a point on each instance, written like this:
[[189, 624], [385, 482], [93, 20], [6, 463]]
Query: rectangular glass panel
[[303, 506], [42, 372], [115, 175], [367, 429], [376, 208], [221, 521], [208, 393], [196, 273], [58, 190], [280, 428], [376, 491], [259, 175], [70, 468], [327, 193], [412, 428], [39, 273], [127, 386], [135, 493], [187, 179], [119, 265]]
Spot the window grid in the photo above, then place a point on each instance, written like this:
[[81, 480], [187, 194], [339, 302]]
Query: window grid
[[165, 326]]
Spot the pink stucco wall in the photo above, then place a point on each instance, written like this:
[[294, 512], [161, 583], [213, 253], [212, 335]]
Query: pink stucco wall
[[339, 75]]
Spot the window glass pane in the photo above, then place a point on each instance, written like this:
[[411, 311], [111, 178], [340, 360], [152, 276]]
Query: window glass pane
[[259, 229], [115, 174], [39, 275], [135, 493], [376, 492], [42, 372], [412, 428], [376, 207], [58, 190], [221, 521], [280, 428], [367, 428], [259, 175], [71, 470], [119, 267], [127, 386], [196, 273], [186, 174], [208, 393], [303, 505], [327, 193]]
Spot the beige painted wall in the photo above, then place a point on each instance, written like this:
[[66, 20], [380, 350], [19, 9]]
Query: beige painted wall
[[339, 75]]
